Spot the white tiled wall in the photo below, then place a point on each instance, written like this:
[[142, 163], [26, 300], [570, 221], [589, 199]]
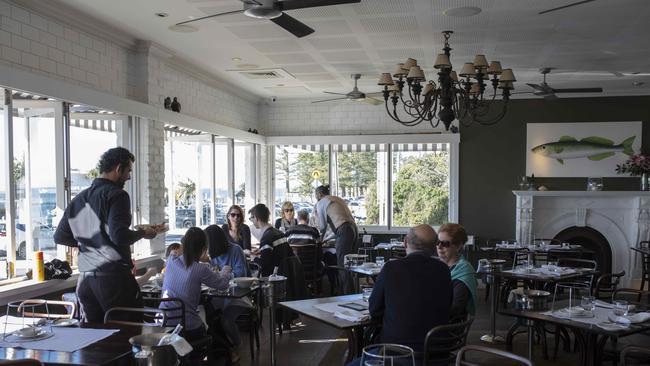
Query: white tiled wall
[[346, 118]]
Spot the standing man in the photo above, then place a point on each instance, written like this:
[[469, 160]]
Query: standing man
[[97, 221], [333, 211]]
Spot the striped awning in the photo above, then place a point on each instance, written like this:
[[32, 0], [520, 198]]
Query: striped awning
[[420, 147], [108, 125], [359, 147], [312, 148], [172, 130]]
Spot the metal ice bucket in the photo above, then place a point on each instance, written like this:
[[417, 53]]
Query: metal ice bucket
[[275, 288], [147, 352]]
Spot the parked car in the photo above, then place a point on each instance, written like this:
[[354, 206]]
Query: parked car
[[43, 239], [186, 217]]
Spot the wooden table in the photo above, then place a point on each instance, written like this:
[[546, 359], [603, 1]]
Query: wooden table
[[590, 337], [353, 330], [113, 350]]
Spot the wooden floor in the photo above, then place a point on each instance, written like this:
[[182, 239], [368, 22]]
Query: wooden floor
[[312, 343]]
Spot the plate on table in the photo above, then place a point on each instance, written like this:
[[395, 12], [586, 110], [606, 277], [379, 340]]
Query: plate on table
[[30, 333], [65, 323], [611, 326], [369, 265], [575, 312]]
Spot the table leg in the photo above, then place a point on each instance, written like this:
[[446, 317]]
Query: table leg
[[531, 338], [493, 337], [352, 346]]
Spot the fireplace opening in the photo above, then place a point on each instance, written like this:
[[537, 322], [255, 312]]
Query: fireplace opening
[[592, 241]]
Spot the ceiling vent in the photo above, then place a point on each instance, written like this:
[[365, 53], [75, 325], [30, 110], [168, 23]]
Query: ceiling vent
[[264, 74]]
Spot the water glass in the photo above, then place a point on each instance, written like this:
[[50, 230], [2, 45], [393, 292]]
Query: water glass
[[380, 261], [588, 303], [621, 307], [365, 293]]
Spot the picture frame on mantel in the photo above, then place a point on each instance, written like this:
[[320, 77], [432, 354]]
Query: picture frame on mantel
[[580, 149]]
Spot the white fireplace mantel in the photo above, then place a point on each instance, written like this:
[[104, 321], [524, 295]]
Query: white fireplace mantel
[[622, 217]]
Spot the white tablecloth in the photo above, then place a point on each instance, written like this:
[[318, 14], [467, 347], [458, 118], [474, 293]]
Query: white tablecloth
[[64, 339]]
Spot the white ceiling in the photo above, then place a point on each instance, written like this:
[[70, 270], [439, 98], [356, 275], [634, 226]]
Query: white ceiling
[[586, 43]]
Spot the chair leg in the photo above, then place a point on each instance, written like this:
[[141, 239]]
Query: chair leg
[[251, 335]]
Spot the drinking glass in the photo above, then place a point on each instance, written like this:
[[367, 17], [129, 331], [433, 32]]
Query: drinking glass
[[621, 307], [387, 355], [366, 291], [380, 261], [588, 303]]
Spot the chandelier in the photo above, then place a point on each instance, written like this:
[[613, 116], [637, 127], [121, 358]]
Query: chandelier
[[464, 96]]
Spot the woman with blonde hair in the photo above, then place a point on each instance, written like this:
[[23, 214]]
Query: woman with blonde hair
[[236, 231], [451, 239], [287, 217]]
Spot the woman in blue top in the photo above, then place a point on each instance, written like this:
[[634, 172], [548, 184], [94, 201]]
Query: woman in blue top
[[451, 238], [184, 276], [222, 253]]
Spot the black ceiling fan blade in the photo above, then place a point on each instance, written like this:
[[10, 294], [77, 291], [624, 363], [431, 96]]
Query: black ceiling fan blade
[[328, 100], [579, 90], [565, 6], [301, 4], [211, 16], [292, 25], [536, 86], [334, 93]]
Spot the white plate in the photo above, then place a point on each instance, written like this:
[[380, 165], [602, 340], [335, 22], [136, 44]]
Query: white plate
[[611, 326], [30, 333], [65, 323], [575, 314]]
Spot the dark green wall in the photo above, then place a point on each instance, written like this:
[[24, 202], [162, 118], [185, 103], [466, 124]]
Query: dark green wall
[[493, 158]]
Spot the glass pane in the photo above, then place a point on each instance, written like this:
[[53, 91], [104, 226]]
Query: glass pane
[[86, 148], [222, 198], [244, 175], [35, 174], [420, 187], [4, 243], [297, 173], [360, 185]]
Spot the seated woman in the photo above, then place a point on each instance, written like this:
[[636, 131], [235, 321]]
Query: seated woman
[[236, 231], [287, 217], [183, 279], [451, 238]]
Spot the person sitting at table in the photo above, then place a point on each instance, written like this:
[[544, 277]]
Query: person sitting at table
[[236, 231], [183, 279], [274, 247], [173, 248], [302, 233], [224, 254], [412, 294], [286, 219], [451, 238]]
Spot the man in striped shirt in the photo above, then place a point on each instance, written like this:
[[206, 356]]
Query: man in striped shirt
[[274, 247], [303, 233]]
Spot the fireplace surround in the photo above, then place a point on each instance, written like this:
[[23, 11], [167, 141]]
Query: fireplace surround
[[606, 222]]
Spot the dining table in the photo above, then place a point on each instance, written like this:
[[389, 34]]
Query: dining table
[[110, 351], [591, 333], [325, 311]]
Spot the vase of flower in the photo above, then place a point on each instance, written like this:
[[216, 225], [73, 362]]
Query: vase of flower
[[637, 165]]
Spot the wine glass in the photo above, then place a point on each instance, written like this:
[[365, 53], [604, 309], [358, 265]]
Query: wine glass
[[588, 303]]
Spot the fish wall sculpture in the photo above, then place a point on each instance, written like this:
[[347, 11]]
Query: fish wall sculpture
[[593, 148]]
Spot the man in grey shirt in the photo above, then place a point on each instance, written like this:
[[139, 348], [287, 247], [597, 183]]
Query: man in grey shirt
[[333, 211], [97, 221]]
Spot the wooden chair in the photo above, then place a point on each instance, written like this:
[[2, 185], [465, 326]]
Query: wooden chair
[[442, 341], [635, 353], [136, 316], [607, 284], [638, 298], [309, 255], [36, 306], [503, 355]]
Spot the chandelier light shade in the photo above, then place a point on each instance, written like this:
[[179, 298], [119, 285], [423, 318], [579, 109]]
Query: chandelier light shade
[[467, 96]]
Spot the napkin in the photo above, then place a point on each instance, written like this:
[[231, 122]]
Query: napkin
[[351, 316], [630, 319]]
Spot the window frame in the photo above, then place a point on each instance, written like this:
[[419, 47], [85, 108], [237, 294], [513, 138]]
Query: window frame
[[330, 140]]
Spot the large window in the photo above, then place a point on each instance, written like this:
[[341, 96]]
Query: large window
[[298, 171], [385, 185], [361, 181], [244, 175], [420, 184]]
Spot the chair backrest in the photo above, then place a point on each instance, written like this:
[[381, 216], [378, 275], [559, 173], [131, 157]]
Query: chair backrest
[[634, 352], [174, 309], [41, 308], [141, 314], [397, 252], [586, 281], [497, 356], [444, 339], [296, 285], [606, 284], [309, 255], [639, 298], [644, 244], [519, 257]]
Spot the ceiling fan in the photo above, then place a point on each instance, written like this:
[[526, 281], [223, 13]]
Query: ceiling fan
[[355, 95], [566, 6], [545, 90], [273, 10]]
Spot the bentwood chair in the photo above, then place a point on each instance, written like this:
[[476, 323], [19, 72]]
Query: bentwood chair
[[490, 356], [37, 306], [636, 353], [442, 341], [607, 284]]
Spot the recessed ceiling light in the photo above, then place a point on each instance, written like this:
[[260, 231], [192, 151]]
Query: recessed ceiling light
[[236, 59], [183, 28], [463, 11], [162, 15], [248, 66]]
